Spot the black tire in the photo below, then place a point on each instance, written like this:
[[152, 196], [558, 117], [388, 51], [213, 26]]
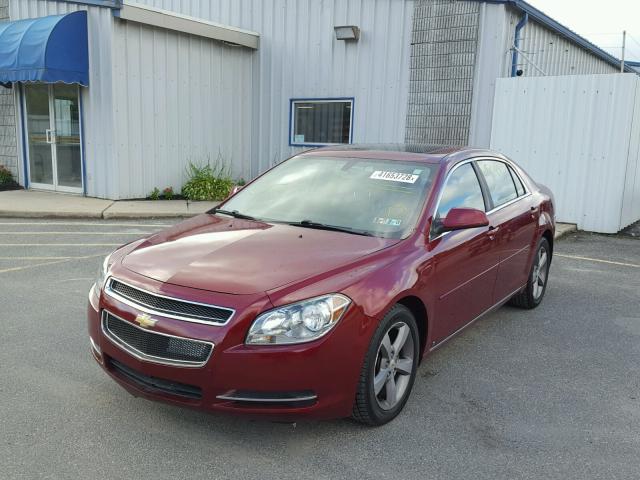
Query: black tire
[[366, 407], [527, 298]]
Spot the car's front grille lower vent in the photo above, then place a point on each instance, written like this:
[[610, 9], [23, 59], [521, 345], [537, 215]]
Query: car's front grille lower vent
[[154, 384], [155, 346], [170, 307]]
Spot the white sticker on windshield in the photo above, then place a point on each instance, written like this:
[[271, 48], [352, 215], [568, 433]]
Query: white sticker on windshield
[[394, 176]]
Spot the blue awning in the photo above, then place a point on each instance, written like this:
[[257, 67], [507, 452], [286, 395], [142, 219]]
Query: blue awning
[[46, 49]]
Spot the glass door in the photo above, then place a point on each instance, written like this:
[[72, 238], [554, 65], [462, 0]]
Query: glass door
[[53, 132], [39, 134]]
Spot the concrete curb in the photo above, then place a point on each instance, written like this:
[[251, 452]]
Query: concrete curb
[[31, 204], [564, 229]]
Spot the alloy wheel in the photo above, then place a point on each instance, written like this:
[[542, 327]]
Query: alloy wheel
[[539, 274], [393, 366]]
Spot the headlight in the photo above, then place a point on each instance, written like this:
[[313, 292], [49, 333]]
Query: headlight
[[102, 274], [299, 322]]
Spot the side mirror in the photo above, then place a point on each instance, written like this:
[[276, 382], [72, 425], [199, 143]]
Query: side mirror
[[462, 218]]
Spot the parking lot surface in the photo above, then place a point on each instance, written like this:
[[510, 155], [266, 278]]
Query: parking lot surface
[[548, 393]]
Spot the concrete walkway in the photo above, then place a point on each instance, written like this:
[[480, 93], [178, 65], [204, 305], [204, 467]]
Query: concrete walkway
[[31, 204]]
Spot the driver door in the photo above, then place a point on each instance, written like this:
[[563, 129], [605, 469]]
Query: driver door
[[465, 262]]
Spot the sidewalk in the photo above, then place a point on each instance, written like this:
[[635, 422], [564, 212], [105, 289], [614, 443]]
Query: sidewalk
[[30, 204]]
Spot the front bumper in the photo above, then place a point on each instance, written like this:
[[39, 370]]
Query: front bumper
[[314, 380]]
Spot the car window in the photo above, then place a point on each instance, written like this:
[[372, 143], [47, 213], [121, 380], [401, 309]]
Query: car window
[[462, 190], [516, 179], [499, 181]]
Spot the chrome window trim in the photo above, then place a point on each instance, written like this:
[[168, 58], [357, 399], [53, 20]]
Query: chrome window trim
[[162, 313], [477, 159], [150, 358]]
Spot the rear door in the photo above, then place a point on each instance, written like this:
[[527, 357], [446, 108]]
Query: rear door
[[514, 218], [465, 261]]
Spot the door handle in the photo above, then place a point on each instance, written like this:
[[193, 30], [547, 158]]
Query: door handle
[[492, 231], [534, 212]]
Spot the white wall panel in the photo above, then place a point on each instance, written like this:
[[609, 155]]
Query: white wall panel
[[577, 135], [178, 98], [300, 57], [552, 53]]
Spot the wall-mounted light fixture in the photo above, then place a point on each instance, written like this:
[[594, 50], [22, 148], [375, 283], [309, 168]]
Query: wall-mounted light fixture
[[347, 32]]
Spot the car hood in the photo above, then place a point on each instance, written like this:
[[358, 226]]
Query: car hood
[[219, 254]]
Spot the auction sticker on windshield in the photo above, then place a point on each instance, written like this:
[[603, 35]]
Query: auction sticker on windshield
[[394, 176]]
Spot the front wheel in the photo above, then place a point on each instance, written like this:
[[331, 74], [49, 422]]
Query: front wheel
[[536, 287], [389, 368]]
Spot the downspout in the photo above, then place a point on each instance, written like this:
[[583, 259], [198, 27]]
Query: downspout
[[516, 44]]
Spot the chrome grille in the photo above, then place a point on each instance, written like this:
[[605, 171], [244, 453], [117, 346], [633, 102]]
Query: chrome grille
[[155, 346], [169, 307]]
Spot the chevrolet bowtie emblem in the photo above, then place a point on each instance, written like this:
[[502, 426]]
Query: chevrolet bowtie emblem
[[145, 320]]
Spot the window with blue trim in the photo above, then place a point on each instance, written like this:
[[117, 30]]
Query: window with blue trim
[[321, 121]]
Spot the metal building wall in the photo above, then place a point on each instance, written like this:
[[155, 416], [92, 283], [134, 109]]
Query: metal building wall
[[577, 135], [550, 52], [300, 57], [178, 98], [97, 100]]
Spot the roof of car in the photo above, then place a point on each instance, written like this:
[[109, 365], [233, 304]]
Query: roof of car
[[399, 151]]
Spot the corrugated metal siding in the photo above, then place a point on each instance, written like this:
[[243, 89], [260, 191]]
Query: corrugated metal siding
[[552, 53], [631, 198], [178, 98], [97, 99], [300, 57], [574, 134]]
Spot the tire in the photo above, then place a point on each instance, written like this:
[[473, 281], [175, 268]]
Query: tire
[[384, 360], [533, 293]]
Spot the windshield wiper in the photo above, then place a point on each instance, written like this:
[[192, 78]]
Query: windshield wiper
[[233, 213], [333, 228]]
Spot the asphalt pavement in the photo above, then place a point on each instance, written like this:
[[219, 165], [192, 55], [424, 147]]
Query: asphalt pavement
[[548, 393]]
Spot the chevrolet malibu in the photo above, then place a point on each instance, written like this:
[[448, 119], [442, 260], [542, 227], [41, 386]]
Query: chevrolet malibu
[[317, 289]]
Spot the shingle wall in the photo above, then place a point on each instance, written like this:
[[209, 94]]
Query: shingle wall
[[8, 145], [443, 51]]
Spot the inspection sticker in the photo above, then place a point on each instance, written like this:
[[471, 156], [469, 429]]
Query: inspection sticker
[[394, 176]]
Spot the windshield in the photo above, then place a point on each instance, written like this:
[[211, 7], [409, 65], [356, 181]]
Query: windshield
[[369, 196]]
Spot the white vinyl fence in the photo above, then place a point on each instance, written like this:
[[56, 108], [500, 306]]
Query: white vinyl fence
[[580, 136]]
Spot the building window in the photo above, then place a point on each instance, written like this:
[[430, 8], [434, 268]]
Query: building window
[[317, 122]]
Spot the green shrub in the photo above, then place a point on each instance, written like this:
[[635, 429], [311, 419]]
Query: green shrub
[[6, 177], [155, 194], [167, 193], [205, 182]]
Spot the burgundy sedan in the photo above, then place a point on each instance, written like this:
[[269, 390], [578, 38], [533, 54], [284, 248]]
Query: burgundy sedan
[[316, 290]]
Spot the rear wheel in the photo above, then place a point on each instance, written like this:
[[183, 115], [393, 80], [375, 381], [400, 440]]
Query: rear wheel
[[389, 368], [536, 287]]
